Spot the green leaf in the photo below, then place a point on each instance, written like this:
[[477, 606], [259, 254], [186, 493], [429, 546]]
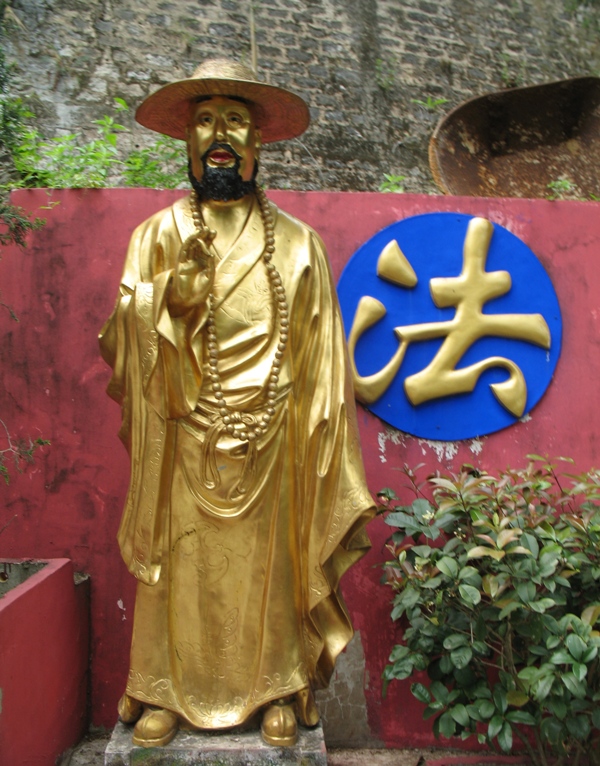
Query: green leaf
[[421, 693], [543, 604], [473, 712], [405, 600], [551, 624], [500, 700], [432, 583], [454, 640], [470, 595], [529, 675], [480, 649], [578, 726], [423, 552], [439, 691], [460, 715], [575, 645], [551, 730], [579, 671], [520, 716], [576, 687], [505, 737], [530, 542], [432, 709], [470, 574], [590, 654], [401, 669], [398, 652], [495, 726], [526, 591], [561, 657], [422, 510], [447, 725], [507, 681], [542, 689], [404, 521], [461, 657], [552, 642], [486, 708], [558, 707], [448, 566]]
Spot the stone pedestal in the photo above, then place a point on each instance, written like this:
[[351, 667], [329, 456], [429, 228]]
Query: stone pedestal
[[236, 748]]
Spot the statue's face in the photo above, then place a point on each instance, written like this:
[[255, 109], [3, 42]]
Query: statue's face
[[224, 121]]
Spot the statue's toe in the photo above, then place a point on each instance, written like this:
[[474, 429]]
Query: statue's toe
[[279, 727], [155, 728]]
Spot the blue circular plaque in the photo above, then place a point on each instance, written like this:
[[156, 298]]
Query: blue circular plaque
[[489, 316]]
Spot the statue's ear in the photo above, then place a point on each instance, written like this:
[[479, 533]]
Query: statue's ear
[[257, 141], [187, 140]]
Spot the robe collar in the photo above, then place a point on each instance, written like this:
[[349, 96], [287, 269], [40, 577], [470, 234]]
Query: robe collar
[[241, 257]]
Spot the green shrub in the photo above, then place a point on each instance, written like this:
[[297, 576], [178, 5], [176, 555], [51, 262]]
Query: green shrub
[[497, 581]]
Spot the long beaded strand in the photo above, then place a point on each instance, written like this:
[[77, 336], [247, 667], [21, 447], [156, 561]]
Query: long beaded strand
[[233, 420]]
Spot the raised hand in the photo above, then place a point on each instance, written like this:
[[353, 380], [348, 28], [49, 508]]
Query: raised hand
[[195, 272]]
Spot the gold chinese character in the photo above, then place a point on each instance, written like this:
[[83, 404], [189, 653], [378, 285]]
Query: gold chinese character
[[467, 293]]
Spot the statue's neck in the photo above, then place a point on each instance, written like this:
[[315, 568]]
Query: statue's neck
[[228, 219]]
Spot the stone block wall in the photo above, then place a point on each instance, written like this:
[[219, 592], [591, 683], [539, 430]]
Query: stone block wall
[[371, 70]]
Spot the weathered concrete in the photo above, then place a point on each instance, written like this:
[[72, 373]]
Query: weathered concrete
[[343, 705], [240, 748], [371, 70]]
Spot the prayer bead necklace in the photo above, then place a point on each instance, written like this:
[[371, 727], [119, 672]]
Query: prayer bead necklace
[[242, 425]]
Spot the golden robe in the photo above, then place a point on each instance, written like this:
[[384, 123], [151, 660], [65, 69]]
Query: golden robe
[[238, 546]]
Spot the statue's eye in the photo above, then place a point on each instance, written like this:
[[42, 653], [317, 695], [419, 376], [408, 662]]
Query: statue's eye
[[235, 120], [205, 119]]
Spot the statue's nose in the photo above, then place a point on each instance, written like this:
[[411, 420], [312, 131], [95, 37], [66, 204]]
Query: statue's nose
[[220, 129]]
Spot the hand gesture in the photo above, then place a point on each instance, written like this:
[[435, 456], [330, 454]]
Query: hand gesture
[[195, 272]]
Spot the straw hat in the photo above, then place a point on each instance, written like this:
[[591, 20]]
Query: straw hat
[[278, 113]]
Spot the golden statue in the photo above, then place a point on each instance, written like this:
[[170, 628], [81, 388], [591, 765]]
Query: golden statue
[[247, 499]]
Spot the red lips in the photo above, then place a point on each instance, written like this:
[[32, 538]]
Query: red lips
[[221, 157]]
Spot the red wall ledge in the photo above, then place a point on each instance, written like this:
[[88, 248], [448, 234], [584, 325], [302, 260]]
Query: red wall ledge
[[44, 660], [52, 383]]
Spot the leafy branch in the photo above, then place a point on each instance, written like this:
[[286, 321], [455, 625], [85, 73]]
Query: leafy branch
[[18, 452]]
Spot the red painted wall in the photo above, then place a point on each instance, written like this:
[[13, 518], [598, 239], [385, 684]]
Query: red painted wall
[[53, 380], [44, 640]]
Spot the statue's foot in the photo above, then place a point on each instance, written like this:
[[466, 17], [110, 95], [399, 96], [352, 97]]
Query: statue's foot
[[155, 728], [129, 709], [279, 727]]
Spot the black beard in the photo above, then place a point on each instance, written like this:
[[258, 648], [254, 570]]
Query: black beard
[[222, 184]]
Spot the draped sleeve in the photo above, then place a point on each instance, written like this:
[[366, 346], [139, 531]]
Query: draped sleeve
[[335, 502], [157, 372]]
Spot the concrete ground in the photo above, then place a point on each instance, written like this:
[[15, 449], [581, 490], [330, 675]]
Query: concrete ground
[[90, 752]]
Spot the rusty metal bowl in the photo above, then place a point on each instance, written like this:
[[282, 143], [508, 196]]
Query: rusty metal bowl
[[513, 143]]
